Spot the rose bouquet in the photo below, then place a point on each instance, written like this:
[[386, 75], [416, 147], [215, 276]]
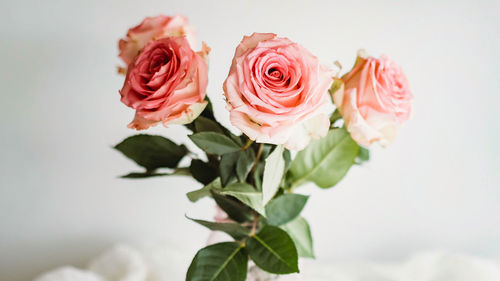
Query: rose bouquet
[[299, 122]]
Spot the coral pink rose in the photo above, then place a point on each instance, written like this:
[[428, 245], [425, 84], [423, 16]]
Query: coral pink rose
[[277, 92], [154, 28], [166, 83], [375, 100]]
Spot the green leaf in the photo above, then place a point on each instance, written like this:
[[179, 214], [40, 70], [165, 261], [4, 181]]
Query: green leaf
[[273, 174], [324, 161], [235, 230], [152, 152], [202, 171], [208, 112], [234, 208], [285, 208], [257, 176], [141, 175], [363, 155], [227, 167], [300, 232], [196, 195], [234, 137], [181, 171], [214, 143], [336, 90], [336, 85], [219, 262], [273, 250], [288, 158], [266, 150], [244, 164], [335, 116], [246, 194], [203, 124]]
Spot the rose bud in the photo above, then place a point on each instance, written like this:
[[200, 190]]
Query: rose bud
[[375, 99], [277, 92], [154, 28], [166, 83]]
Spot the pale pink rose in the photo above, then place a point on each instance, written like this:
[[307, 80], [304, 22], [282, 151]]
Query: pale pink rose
[[277, 92], [166, 83], [375, 99], [152, 28]]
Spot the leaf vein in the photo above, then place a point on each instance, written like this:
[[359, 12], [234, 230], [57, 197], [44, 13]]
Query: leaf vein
[[226, 262], [300, 179], [270, 249]]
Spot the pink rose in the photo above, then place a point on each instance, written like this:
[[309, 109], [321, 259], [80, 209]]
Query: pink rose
[[154, 28], [375, 100], [277, 92], [166, 83]]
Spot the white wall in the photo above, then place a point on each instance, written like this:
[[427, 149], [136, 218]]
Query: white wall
[[436, 186]]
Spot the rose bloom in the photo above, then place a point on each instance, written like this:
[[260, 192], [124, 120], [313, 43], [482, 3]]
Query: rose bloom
[[375, 100], [154, 28], [277, 92], [166, 83]]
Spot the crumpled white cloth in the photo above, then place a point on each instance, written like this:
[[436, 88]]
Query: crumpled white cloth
[[121, 263], [125, 263]]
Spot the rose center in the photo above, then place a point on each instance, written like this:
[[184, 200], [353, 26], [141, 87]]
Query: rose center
[[274, 74], [159, 58], [157, 63]]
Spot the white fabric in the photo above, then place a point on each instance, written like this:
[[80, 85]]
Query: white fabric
[[432, 266], [124, 263], [121, 263], [68, 273]]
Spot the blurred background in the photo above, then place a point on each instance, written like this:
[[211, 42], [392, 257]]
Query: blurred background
[[61, 201]]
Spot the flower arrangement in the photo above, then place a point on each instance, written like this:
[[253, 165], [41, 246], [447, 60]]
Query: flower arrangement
[[299, 122]]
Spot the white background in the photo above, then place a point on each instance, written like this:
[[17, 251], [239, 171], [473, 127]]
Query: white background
[[436, 187]]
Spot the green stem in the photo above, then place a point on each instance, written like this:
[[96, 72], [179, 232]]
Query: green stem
[[256, 217], [247, 145], [257, 158]]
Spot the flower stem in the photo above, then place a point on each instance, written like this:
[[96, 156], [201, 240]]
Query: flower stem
[[257, 158], [254, 224], [247, 145]]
